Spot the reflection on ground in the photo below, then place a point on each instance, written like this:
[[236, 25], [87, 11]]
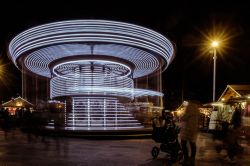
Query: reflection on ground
[[21, 149]]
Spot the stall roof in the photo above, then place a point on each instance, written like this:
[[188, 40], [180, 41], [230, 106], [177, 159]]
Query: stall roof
[[235, 91], [17, 102]]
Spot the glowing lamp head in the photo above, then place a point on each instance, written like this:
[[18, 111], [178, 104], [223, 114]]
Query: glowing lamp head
[[215, 44]]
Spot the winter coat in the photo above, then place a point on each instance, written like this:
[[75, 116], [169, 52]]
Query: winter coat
[[190, 123]]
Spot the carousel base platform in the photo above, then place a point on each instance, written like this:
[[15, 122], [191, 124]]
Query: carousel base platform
[[100, 134]]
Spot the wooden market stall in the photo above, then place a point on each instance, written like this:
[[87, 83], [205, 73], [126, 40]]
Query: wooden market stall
[[16, 104], [224, 107]]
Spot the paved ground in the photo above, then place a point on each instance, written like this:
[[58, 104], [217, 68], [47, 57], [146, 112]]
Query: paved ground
[[17, 150]]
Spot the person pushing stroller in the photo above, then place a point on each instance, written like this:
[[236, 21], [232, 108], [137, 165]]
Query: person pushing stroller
[[166, 133]]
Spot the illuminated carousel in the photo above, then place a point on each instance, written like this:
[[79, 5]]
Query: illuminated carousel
[[95, 67]]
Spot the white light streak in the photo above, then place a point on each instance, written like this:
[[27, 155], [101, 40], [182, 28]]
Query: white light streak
[[62, 51], [95, 31], [94, 113]]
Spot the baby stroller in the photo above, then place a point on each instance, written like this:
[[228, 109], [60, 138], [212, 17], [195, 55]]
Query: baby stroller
[[167, 136]]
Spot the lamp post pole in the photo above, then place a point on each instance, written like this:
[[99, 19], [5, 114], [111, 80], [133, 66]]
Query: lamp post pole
[[214, 45], [214, 73]]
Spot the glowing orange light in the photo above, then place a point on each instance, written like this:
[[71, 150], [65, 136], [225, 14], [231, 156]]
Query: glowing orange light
[[215, 44]]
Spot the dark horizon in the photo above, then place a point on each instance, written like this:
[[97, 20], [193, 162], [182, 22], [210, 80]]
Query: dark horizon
[[189, 75]]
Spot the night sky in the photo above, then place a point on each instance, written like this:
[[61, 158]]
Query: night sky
[[186, 23]]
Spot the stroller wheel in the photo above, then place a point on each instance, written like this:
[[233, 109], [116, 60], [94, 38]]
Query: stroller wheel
[[155, 151]]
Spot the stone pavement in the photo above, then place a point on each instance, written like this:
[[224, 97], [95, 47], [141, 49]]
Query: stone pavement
[[17, 150]]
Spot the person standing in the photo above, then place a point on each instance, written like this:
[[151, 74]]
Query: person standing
[[189, 131], [236, 120], [232, 137]]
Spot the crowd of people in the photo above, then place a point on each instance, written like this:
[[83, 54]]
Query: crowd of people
[[189, 131], [32, 123], [24, 119]]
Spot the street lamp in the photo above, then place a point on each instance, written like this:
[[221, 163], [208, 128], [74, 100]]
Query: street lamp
[[214, 44]]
